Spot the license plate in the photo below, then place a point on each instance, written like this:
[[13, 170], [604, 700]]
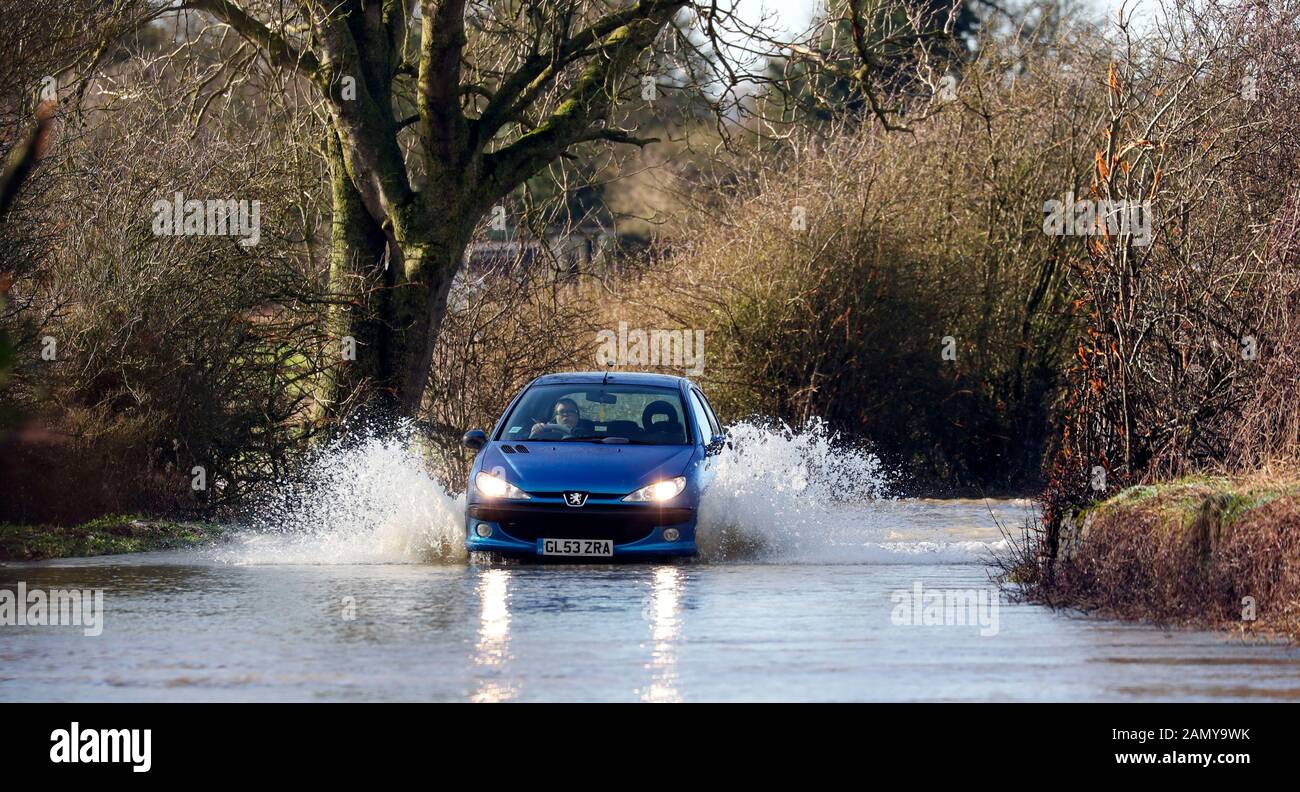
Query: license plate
[[575, 547]]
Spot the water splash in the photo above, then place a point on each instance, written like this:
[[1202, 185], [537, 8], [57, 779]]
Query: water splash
[[785, 495], [775, 485], [780, 495], [371, 499]]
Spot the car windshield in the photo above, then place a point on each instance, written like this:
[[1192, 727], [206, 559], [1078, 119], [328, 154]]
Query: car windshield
[[637, 414]]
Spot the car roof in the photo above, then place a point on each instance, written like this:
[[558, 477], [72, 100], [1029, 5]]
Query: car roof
[[615, 378]]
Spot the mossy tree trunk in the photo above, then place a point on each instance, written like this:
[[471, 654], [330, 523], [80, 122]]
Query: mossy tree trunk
[[396, 248]]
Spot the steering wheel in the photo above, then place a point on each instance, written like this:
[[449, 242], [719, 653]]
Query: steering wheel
[[548, 431]]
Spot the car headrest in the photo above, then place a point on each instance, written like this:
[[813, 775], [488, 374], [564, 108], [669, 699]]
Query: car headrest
[[656, 408]]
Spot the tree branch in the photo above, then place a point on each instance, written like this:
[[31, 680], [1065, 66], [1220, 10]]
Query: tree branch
[[585, 105], [615, 136], [23, 156], [366, 127], [442, 36], [523, 86], [277, 48]]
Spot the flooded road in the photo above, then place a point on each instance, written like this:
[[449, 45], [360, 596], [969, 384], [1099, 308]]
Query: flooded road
[[843, 615]]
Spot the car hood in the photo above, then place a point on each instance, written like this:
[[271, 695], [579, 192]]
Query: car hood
[[589, 467]]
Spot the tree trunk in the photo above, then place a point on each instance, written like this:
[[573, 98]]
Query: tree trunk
[[420, 306], [392, 299], [357, 278]]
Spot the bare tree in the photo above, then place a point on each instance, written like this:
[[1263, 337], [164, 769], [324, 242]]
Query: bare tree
[[436, 112], [50, 48]]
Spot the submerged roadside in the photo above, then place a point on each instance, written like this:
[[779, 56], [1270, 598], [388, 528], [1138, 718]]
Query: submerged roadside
[[1216, 552], [108, 535]]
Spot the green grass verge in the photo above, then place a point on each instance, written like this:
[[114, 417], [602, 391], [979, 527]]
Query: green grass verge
[[1206, 551], [1179, 503], [108, 535]]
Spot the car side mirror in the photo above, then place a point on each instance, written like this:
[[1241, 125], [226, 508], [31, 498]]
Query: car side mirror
[[716, 445], [474, 439]]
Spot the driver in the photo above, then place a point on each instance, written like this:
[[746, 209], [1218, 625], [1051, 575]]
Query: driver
[[565, 414]]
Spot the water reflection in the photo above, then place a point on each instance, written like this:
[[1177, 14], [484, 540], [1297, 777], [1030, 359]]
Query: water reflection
[[665, 626], [493, 647]]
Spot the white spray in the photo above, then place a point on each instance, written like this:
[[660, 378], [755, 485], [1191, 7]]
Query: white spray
[[373, 500], [780, 495]]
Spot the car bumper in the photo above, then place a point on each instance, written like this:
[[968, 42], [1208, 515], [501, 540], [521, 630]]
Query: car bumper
[[636, 531]]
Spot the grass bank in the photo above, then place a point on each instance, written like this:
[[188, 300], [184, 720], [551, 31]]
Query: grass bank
[[1205, 552], [107, 535]]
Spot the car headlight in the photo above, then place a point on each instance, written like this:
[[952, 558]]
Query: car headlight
[[658, 491], [490, 486]]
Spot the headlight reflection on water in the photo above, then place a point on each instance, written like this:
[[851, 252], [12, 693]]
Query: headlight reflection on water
[[493, 647], [663, 612]]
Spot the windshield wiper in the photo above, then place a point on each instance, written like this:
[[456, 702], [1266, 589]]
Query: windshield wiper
[[593, 439], [612, 440]]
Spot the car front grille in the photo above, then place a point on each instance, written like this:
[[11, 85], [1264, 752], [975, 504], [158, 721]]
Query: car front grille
[[557, 521]]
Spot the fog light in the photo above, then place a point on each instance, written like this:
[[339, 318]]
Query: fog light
[[671, 534], [483, 530]]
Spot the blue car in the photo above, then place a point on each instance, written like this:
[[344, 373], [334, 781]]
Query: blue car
[[594, 466]]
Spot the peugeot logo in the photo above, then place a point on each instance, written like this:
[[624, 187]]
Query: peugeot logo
[[575, 499]]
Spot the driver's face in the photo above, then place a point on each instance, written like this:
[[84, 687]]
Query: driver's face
[[566, 415]]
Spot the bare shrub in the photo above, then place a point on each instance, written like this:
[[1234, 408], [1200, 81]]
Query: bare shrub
[[1268, 431], [1184, 339], [169, 351], [831, 274]]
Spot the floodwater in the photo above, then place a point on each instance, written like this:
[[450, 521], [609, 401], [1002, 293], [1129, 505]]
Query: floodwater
[[355, 589]]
